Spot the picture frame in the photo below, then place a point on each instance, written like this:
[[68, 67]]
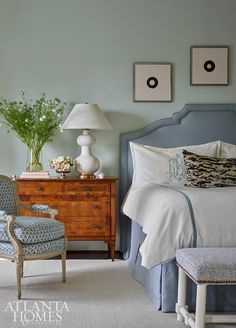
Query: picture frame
[[209, 65], [152, 82]]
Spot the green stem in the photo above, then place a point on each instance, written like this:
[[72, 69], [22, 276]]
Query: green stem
[[35, 165]]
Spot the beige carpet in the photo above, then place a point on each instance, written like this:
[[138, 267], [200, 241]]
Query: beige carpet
[[98, 294]]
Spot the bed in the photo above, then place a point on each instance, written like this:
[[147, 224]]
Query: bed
[[195, 124]]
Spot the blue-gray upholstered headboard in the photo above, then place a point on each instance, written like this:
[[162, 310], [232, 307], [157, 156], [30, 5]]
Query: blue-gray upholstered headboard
[[194, 124]]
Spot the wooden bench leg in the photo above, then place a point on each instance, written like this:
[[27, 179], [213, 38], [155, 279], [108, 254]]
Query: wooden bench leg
[[200, 306], [181, 302]]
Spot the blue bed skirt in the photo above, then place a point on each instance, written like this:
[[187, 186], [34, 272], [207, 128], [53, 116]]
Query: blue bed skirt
[[160, 282]]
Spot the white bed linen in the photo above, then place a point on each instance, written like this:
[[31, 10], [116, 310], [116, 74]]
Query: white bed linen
[[165, 218]]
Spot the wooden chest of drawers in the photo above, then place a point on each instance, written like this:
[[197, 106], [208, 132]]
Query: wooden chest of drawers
[[87, 207]]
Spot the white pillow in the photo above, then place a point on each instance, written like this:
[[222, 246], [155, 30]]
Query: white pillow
[[164, 165], [227, 150]]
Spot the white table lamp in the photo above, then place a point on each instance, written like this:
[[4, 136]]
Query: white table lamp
[[86, 117]]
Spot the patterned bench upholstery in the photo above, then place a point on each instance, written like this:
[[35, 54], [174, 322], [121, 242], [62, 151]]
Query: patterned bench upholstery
[[205, 266], [209, 265]]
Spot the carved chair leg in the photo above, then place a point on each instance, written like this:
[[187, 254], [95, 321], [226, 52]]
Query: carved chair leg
[[18, 252], [63, 262], [19, 269], [22, 270]]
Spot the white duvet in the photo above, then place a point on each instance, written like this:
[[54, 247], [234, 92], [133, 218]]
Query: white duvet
[[165, 217]]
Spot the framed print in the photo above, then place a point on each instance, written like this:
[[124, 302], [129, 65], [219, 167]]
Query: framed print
[[152, 82], [209, 65]]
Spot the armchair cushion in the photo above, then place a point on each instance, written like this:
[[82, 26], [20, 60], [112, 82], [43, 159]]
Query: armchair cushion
[[52, 246], [32, 229]]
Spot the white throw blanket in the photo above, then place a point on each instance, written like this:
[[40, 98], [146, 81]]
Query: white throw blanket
[[165, 217]]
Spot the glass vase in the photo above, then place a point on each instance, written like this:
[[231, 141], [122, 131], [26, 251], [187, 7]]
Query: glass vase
[[35, 164]]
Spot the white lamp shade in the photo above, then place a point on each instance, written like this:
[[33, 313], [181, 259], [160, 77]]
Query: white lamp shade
[[86, 116]]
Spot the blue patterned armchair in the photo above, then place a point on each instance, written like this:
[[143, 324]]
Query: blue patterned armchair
[[25, 238]]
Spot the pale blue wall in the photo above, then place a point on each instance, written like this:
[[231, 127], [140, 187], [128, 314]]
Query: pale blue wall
[[83, 51]]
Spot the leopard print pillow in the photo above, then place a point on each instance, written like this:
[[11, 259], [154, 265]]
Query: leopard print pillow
[[206, 172]]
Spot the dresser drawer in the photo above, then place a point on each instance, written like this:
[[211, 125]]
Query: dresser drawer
[[76, 209], [66, 223], [84, 226], [87, 188], [39, 188], [84, 208]]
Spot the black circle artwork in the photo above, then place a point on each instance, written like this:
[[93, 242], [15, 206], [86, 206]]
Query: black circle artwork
[[152, 82], [209, 66]]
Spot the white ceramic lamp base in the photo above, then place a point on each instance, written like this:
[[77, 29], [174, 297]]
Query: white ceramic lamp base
[[86, 164]]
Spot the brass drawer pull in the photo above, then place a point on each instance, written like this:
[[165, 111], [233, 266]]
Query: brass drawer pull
[[40, 188], [95, 206], [94, 226]]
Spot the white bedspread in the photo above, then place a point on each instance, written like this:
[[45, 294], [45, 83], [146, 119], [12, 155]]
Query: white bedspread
[[165, 218]]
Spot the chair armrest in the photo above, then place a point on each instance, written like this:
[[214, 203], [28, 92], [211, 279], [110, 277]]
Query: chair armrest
[[40, 208], [18, 250]]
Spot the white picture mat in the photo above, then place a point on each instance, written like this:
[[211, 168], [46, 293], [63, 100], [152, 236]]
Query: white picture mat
[[219, 55], [162, 72]]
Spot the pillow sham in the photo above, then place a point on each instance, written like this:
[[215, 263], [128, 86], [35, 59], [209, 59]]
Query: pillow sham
[[164, 165], [207, 172], [227, 150]]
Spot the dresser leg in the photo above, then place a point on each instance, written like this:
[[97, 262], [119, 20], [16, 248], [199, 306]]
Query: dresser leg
[[108, 251], [111, 250]]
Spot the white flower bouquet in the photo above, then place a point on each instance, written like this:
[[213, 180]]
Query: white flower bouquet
[[61, 164]]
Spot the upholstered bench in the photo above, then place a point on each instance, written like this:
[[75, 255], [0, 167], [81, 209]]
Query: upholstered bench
[[205, 266]]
